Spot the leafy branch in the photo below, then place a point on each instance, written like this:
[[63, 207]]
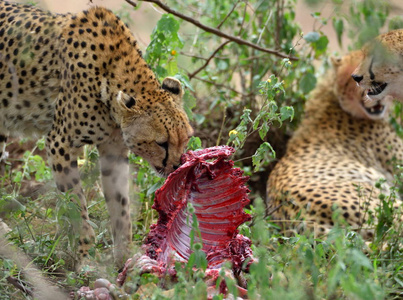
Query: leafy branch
[[267, 115], [216, 31]]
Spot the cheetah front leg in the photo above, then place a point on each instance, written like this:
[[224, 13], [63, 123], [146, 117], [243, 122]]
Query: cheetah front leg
[[3, 143], [3, 152], [115, 176], [63, 160]]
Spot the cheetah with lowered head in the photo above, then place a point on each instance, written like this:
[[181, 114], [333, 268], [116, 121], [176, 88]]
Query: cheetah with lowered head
[[340, 150], [81, 79]]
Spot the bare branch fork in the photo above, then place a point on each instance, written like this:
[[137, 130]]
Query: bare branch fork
[[208, 59], [227, 16], [216, 31], [223, 86]]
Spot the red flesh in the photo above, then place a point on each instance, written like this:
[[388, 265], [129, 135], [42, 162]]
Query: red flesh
[[218, 194]]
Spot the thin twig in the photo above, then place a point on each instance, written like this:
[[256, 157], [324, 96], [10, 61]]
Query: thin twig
[[252, 57], [218, 32], [224, 117], [208, 59], [222, 86], [192, 56], [264, 27], [19, 285], [227, 16], [243, 21], [131, 3], [41, 289], [273, 210]]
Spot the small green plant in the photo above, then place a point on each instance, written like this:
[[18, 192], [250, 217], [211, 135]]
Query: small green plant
[[266, 116], [164, 46]]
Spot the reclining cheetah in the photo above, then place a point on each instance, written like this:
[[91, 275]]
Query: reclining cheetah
[[381, 71], [81, 79], [340, 150]]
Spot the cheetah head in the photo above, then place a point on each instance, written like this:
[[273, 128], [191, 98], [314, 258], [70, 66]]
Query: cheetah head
[[380, 73], [156, 126], [352, 99]]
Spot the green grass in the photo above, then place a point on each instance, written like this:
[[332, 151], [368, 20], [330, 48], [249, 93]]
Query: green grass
[[342, 266]]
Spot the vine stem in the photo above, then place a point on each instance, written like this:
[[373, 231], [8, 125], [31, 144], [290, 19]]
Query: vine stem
[[216, 31]]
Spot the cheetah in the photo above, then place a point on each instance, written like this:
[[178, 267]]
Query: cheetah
[[342, 147], [80, 79], [381, 71]]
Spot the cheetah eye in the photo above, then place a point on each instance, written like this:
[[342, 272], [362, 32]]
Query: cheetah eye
[[163, 145], [131, 102]]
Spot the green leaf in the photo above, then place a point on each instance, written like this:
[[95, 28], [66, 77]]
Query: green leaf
[[194, 143], [263, 155], [360, 259], [395, 23], [8, 264], [316, 14], [191, 260], [41, 144], [263, 130], [200, 261], [199, 118], [172, 68], [222, 64], [320, 45], [17, 177], [153, 188], [185, 81], [161, 72], [256, 122], [168, 23], [312, 36], [338, 26], [307, 83], [287, 112], [189, 102]]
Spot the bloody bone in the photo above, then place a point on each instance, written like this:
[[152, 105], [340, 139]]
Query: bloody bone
[[217, 191]]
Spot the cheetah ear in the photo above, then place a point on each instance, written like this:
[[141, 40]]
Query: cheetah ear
[[336, 61], [173, 86]]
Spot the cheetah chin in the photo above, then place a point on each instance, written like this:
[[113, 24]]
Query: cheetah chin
[[377, 110]]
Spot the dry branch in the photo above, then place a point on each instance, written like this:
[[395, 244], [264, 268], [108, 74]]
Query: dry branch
[[20, 285], [218, 85], [41, 288], [208, 59], [216, 31], [131, 3]]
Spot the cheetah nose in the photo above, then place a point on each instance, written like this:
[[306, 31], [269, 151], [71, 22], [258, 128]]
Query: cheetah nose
[[175, 167], [357, 78]]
